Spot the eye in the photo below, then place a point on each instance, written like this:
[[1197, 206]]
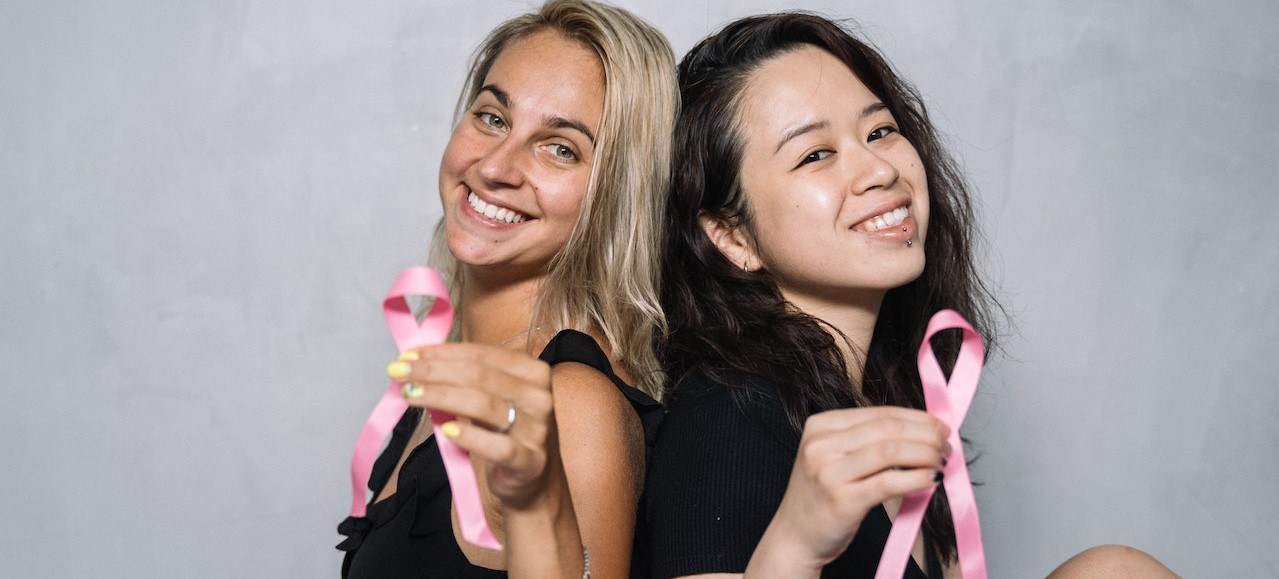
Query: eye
[[881, 132], [562, 152], [815, 156], [491, 120]]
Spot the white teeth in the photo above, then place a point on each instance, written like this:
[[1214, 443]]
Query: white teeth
[[493, 211], [890, 219]]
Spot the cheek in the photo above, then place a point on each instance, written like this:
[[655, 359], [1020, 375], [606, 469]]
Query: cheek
[[563, 197], [460, 151]]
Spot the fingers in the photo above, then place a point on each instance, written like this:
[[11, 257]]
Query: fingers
[[490, 411], [475, 381], [503, 401], [919, 461], [848, 462], [849, 418], [471, 365], [496, 448], [875, 439], [896, 483]]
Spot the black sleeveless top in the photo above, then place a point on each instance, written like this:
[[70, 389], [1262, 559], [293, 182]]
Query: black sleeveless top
[[410, 534]]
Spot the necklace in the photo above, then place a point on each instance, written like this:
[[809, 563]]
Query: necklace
[[524, 333]]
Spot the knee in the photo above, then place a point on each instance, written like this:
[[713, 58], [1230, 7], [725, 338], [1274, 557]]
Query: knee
[[1111, 561]]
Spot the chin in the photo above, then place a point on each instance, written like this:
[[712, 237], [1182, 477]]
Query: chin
[[905, 277]]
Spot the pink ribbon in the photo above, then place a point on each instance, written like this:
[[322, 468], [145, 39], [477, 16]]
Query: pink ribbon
[[949, 403], [410, 335]]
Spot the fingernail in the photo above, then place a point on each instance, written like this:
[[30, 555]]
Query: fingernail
[[412, 391], [398, 370], [451, 430], [937, 477], [409, 356]]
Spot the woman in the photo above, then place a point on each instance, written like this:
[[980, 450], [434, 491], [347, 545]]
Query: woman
[[815, 225], [551, 186]]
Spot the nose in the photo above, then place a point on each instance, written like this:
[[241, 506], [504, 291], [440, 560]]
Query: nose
[[501, 166], [871, 170]]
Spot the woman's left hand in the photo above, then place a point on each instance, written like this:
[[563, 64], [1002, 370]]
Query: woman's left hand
[[481, 385]]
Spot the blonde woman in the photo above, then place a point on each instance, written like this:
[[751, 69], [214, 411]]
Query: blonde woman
[[551, 186]]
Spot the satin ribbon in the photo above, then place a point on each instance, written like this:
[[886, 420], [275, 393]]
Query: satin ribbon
[[949, 403], [410, 335]]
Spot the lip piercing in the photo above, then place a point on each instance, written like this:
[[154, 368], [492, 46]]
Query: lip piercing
[[909, 243]]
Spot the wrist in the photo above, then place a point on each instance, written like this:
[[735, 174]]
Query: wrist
[[783, 553]]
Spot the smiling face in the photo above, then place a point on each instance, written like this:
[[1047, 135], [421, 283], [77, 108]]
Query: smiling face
[[518, 164], [833, 191]]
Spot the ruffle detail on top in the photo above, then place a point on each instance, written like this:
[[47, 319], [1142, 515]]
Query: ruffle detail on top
[[355, 529]]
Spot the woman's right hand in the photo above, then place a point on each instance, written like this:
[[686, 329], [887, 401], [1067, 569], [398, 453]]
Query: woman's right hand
[[849, 461]]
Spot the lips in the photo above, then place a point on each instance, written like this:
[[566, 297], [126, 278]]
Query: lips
[[493, 212], [888, 219]]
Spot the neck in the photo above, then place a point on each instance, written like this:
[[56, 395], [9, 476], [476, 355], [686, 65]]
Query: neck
[[854, 314], [496, 311]]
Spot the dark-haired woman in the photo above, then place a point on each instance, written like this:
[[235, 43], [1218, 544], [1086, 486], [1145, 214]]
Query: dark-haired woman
[[816, 224]]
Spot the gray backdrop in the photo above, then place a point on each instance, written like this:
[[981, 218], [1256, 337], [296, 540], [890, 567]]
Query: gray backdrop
[[204, 202]]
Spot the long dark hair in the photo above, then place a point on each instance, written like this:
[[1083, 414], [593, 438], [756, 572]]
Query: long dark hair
[[723, 319]]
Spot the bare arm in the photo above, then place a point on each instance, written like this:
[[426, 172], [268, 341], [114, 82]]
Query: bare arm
[[602, 444], [534, 494]]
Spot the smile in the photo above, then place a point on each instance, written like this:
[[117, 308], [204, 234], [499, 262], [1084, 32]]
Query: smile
[[890, 219], [493, 212]]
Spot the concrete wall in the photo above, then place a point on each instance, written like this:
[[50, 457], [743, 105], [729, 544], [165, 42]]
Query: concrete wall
[[204, 202]]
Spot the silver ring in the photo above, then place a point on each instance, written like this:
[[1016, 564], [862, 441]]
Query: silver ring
[[510, 417]]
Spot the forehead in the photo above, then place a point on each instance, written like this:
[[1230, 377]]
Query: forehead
[[550, 71], [802, 85]]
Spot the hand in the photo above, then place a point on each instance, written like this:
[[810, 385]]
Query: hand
[[849, 461], [475, 382]]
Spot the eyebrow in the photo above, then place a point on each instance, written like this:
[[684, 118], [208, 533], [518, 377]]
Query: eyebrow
[[498, 94], [553, 122], [563, 123], [867, 111]]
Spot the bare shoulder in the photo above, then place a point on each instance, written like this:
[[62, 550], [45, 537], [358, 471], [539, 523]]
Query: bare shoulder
[[580, 389], [596, 422]]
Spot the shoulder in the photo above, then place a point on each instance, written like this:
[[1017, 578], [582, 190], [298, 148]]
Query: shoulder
[[718, 472], [599, 427], [575, 355], [582, 375], [581, 388], [575, 346], [746, 403]]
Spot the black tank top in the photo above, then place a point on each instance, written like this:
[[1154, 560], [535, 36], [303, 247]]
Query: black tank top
[[410, 534]]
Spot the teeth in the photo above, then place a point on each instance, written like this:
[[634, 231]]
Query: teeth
[[890, 219], [493, 211]]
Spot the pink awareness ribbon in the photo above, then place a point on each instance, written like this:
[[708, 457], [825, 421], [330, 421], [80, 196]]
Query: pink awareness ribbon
[[949, 403], [410, 335]]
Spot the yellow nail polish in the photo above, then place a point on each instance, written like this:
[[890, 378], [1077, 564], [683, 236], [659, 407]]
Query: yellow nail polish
[[450, 429], [398, 370], [409, 356], [412, 391]]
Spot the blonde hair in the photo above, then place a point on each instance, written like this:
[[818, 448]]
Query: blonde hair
[[607, 276]]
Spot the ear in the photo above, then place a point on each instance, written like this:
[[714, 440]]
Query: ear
[[731, 239]]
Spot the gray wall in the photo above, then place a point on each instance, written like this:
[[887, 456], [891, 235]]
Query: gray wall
[[203, 203]]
